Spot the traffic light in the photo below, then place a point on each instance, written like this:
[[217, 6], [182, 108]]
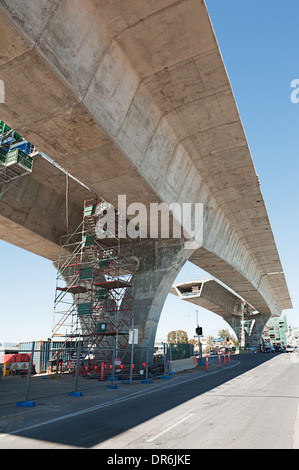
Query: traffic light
[[199, 330]]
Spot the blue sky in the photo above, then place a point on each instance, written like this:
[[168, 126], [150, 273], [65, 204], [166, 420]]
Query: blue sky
[[259, 44]]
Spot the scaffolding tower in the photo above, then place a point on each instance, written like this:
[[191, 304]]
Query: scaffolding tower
[[94, 297]]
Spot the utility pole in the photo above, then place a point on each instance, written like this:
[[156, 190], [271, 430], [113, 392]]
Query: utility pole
[[198, 336]]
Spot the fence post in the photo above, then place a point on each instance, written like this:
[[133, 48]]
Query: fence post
[[113, 361], [78, 364], [165, 358], [27, 402], [146, 368], [29, 371], [132, 355]]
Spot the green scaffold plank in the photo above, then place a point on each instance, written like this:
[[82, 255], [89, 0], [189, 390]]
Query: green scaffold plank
[[88, 241], [89, 210], [84, 309], [2, 156], [86, 273]]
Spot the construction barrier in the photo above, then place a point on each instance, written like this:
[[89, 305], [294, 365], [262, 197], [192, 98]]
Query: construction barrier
[[207, 363], [182, 364], [16, 364]]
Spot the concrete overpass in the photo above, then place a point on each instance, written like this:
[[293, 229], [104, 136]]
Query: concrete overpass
[[133, 98]]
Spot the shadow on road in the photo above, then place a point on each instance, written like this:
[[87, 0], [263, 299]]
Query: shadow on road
[[99, 415]]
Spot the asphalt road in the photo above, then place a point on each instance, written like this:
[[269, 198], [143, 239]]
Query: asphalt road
[[253, 403]]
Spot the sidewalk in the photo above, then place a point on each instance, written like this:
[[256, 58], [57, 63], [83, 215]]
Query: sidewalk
[[45, 388]]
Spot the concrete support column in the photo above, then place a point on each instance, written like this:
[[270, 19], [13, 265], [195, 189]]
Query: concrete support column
[[160, 261], [260, 321]]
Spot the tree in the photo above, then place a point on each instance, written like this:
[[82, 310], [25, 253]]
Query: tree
[[227, 336], [193, 341], [177, 336], [223, 334]]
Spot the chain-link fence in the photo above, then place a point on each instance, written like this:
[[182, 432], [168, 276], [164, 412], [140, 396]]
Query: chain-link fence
[[84, 366], [70, 358]]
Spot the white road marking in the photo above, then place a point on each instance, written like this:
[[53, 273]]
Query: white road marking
[[249, 378], [152, 439]]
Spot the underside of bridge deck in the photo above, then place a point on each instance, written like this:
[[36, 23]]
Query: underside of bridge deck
[[133, 98]]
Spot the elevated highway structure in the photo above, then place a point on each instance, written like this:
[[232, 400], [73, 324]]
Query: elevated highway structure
[[132, 98], [210, 294]]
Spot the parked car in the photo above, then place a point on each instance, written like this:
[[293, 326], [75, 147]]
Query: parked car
[[278, 349], [269, 350], [290, 349], [251, 349]]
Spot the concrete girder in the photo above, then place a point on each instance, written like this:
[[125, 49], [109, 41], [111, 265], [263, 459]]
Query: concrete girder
[[135, 96], [211, 295], [33, 212]]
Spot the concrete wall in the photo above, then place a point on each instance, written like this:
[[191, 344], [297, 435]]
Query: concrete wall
[[183, 364]]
